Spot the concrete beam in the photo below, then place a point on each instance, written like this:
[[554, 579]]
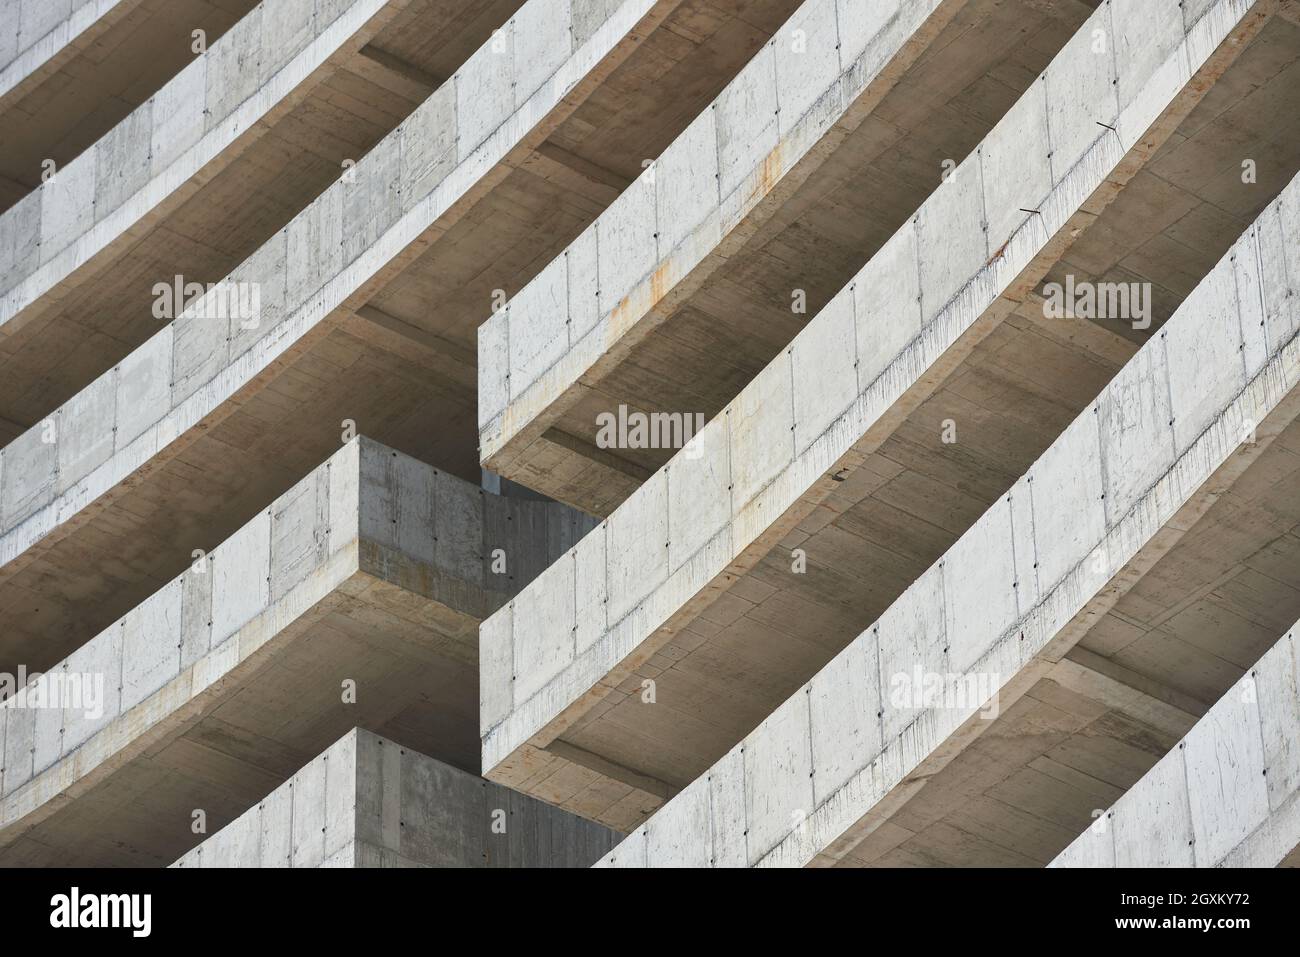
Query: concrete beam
[[1226, 796], [688, 585], [354, 598], [1168, 442], [369, 802], [245, 405]]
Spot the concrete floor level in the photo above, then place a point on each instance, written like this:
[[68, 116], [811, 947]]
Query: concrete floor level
[[971, 538], [354, 324], [203, 173], [369, 802], [71, 70], [353, 599], [828, 485], [753, 219], [1120, 588]]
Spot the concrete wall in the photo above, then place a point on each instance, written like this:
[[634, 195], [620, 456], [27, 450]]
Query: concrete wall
[[1226, 796], [369, 802], [840, 386], [156, 150], [689, 204], [1018, 589], [367, 509], [318, 263]]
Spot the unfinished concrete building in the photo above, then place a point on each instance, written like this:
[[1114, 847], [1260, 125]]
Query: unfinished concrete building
[[649, 432]]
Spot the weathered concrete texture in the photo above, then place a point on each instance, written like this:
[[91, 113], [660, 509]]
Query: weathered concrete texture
[[370, 576], [120, 182], [370, 802], [1170, 437], [740, 268], [188, 185], [677, 552], [1226, 796], [91, 70], [779, 119], [40, 33], [707, 316], [122, 430]]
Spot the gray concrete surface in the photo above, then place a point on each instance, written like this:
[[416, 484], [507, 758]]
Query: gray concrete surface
[[354, 599], [71, 70], [370, 298], [1225, 796], [828, 229], [39, 32], [1172, 487], [835, 449], [715, 238], [122, 166], [369, 802], [201, 174]]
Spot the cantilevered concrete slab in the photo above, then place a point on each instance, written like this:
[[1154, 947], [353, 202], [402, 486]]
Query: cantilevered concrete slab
[[1124, 584], [370, 298], [370, 802], [71, 69], [1226, 796], [1173, 643], [770, 202], [355, 598], [202, 174], [894, 420], [39, 34]]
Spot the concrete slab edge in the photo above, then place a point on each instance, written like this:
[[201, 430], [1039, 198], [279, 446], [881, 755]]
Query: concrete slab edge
[[1228, 795], [164, 660], [771, 452], [688, 211], [41, 51], [366, 801], [986, 608], [146, 406], [134, 170]]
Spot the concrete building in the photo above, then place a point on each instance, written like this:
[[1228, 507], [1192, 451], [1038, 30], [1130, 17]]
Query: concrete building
[[649, 432]]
